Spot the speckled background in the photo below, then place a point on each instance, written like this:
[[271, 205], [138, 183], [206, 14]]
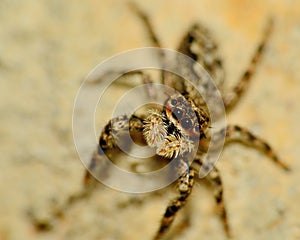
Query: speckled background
[[48, 46]]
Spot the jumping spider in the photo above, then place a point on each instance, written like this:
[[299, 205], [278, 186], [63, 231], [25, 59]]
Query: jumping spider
[[184, 121]]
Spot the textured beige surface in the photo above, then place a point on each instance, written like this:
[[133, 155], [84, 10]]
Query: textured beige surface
[[47, 47]]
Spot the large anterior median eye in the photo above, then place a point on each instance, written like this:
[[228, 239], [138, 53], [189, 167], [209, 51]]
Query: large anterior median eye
[[177, 113], [186, 123]]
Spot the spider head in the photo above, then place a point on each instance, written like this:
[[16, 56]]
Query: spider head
[[177, 128], [189, 120]]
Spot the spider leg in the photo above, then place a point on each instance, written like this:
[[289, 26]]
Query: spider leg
[[215, 179], [199, 45], [152, 93], [240, 134], [146, 79], [186, 182], [232, 97], [146, 21], [107, 141], [152, 35]]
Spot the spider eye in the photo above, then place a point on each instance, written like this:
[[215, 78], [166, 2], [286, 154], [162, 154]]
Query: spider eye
[[186, 123], [197, 128], [173, 102], [177, 113]]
